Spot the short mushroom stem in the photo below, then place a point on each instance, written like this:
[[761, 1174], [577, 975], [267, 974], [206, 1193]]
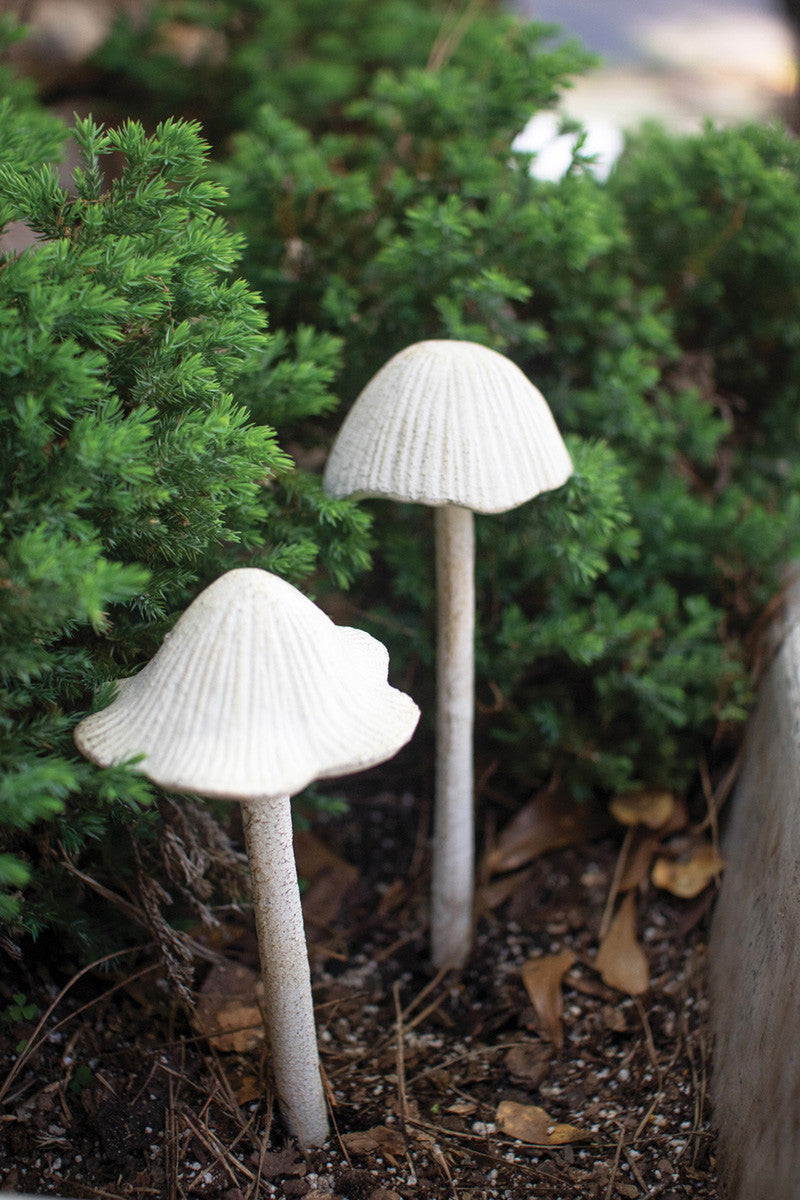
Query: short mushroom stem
[[453, 835], [284, 968]]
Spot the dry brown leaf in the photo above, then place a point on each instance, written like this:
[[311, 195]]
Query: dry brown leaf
[[643, 806], [529, 1123], [687, 877], [542, 978], [495, 893], [528, 1063], [281, 1162], [328, 878], [380, 1139], [227, 1011], [249, 1089], [620, 960], [550, 821], [462, 1108], [313, 856]]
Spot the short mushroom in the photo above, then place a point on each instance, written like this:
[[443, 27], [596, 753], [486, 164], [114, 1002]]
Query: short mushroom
[[254, 694], [458, 426]]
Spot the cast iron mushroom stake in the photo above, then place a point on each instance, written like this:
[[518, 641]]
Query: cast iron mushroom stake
[[457, 426], [254, 694]]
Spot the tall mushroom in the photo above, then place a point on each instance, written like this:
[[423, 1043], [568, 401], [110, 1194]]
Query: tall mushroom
[[457, 426], [254, 694]]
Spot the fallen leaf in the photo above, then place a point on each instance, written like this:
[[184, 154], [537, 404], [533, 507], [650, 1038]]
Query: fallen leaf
[[249, 1089], [281, 1162], [614, 1019], [392, 897], [687, 877], [550, 821], [643, 806], [492, 895], [462, 1108], [227, 1011], [528, 1063], [380, 1139], [620, 960], [328, 879], [542, 978], [528, 1123], [313, 856]]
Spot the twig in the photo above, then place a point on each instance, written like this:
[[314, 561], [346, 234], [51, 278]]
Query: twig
[[170, 1142], [651, 1051], [396, 945], [615, 1164], [429, 986], [35, 1041], [616, 879], [334, 1123], [716, 799], [401, 1072], [634, 1169], [468, 1054], [374, 1051], [217, 1150], [262, 1154], [446, 42]]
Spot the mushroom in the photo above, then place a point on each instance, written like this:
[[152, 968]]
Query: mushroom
[[254, 694], [457, 426]]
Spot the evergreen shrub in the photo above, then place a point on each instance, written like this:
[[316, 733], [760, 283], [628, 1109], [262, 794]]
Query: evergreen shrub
[[137, 463], [612, 615], [713, 219], [382, 203], [367, 152]]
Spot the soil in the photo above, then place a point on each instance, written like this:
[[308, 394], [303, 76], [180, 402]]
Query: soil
[[113, 1089]]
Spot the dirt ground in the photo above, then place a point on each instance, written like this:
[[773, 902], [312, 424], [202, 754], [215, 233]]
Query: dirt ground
[[440, 1085]]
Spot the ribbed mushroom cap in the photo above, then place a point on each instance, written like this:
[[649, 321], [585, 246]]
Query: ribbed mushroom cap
[[254, 693], [449, 422]]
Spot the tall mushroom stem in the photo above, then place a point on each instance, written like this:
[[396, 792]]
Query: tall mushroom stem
[[284, 968], [453, 835]]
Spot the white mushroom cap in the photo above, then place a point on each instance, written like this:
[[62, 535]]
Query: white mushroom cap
[[449, 422], [254, 694]]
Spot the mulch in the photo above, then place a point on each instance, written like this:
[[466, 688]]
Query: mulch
[[112, 1088]]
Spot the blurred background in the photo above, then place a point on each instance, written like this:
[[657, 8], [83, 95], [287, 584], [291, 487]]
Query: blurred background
[[724, 60], [678, 63]]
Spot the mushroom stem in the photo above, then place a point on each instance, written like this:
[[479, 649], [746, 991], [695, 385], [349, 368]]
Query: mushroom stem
[[284, 968], [453, 835]]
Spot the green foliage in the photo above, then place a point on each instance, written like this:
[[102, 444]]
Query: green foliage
[[19, 1012], [136, 464], [222, 60], [714, 218], [370, 170], [28, 134], [610, 614]]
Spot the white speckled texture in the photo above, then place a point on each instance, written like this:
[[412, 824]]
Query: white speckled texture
[[254, 693], [449, 422], [288, 1001]]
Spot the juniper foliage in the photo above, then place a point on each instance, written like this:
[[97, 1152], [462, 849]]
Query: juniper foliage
[[136, 464]]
